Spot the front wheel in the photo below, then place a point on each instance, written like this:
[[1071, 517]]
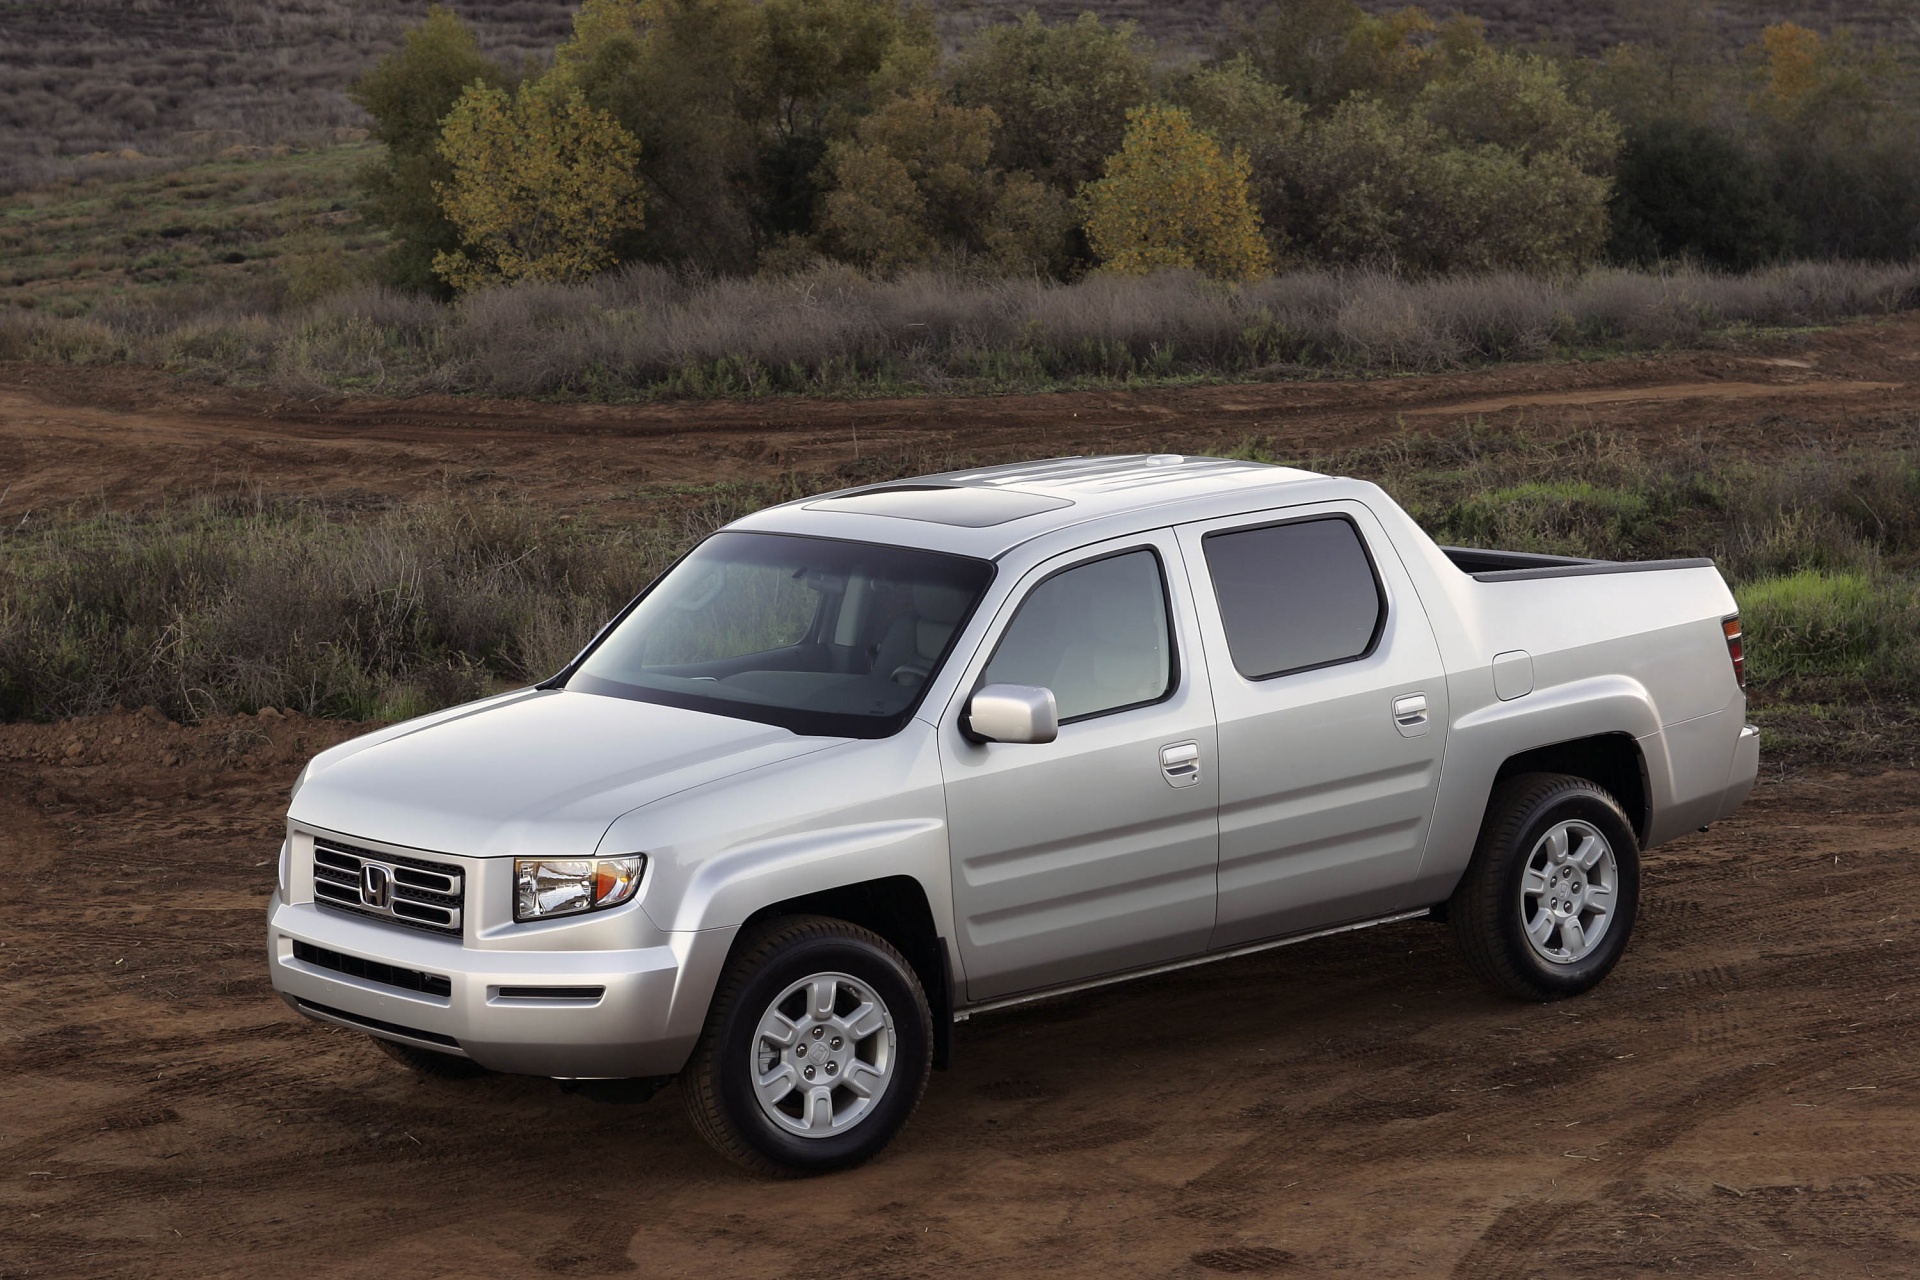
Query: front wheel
[[816, 1050], [1549, 900]]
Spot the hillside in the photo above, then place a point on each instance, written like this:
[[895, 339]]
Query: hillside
[[162, 76], [86, 77]]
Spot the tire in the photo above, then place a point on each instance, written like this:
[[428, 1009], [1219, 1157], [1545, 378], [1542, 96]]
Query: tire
[[442, 1066], [1557, 863], [877, 1038]]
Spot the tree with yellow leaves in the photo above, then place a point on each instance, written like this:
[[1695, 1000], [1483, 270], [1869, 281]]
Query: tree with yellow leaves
[[1171, 198], [1795, 60], [542, 184]]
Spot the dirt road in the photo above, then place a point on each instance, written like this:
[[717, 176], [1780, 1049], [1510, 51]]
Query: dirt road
[[1739, 1098], [121, 439]]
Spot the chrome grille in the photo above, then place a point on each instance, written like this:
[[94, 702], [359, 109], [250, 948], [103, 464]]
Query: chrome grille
[[410, 891]]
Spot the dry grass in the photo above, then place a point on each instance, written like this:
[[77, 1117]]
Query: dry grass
[[239, 235], [233, 605], [229, 606], [645, 332]]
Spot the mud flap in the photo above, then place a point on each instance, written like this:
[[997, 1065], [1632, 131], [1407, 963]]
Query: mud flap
[[943, 1009]]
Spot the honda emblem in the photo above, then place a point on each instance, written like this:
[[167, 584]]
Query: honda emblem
[[376, 886]]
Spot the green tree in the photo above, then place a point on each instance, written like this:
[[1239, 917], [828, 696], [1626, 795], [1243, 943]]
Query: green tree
[[1171, 198], [1250, 114], [913, 183], [542, 182], [1492, 166], [1688, 190], [1494, 98], [736, 106], [1843, 143], [819, 67], [674, 74], [408, 94], [1301, 47], [1490, 208], [1522, 173], [1061, 94], [1354, 184], [1322, 52], [916, 185]]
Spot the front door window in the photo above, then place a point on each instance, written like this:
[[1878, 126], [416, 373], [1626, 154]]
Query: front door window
[[1095, 634]]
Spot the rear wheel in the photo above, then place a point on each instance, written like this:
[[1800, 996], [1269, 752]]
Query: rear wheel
[[1549, 901], [443, 1066], [816, 1050]]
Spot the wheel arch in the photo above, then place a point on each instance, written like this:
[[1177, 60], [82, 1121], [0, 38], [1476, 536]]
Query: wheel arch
[[1612, 761], [896, 908]]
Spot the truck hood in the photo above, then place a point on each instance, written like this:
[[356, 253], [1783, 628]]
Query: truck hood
[[545, 772]]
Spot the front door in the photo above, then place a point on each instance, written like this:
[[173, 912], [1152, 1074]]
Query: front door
[[1093, 853], [1331, 698]]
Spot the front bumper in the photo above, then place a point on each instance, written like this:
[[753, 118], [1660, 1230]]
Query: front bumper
[[643, 1023]]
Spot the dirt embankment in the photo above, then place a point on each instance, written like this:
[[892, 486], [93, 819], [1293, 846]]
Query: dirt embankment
[[123, 438], [1738, 1098]]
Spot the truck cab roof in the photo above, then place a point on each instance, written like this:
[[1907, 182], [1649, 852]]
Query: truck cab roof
[[987, 512]]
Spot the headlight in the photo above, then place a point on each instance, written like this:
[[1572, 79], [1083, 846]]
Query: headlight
[[547, 887], [286, 869]]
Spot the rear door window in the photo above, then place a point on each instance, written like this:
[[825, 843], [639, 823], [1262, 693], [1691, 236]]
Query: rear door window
[[1295, 596]]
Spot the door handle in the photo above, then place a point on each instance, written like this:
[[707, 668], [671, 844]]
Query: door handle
[[1180, 762], [1410, 714]]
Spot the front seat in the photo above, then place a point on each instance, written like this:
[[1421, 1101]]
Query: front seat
[[918, 635], [1118, 659]]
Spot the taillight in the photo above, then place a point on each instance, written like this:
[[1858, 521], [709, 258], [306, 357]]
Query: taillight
[[1734, 650]]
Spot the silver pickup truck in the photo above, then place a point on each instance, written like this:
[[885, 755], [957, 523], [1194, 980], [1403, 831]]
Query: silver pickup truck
[[863, 765]]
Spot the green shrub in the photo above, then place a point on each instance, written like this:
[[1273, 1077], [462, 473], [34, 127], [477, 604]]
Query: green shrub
[[1253, 116], [1060, 93], [1558, 517], [1845, 633], [1688, 190], [408, 94]]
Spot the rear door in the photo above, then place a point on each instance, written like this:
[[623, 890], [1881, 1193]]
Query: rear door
[[1093, 853], [1331, 703]]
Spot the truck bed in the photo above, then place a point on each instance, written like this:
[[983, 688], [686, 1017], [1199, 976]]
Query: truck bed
[[1517, 566]]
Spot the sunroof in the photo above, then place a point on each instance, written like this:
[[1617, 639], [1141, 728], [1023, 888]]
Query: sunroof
[[962, 505]]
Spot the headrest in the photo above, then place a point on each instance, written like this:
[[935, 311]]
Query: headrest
[[1124, 619], [940, 604]]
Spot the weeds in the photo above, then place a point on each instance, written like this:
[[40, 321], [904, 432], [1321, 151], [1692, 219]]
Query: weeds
[[1822, 551], [230, 605], [648, 332]]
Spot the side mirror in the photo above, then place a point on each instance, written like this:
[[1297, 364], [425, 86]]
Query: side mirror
[[1013, 713]]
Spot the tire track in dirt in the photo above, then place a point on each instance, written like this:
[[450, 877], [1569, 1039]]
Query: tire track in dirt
[[128, 438], [1351, 1104]]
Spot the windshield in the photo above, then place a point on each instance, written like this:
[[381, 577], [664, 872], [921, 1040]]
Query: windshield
[[816, 635]]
